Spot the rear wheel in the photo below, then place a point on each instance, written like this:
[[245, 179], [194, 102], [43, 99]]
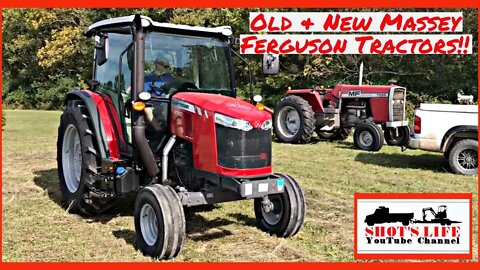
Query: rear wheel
[[159, 222], [397, 136], [368, 137], [286, 217], [78, 160], [340, 134], [293, 120], [463, 157]]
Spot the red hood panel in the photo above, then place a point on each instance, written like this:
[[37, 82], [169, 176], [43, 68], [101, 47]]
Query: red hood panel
[[365, 88], [228, 106]]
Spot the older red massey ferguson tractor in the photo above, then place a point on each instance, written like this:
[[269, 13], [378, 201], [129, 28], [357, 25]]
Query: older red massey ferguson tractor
[[332, 113], [162, 119]]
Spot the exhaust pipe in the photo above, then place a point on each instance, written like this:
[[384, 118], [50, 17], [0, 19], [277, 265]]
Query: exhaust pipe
[[360, 74], [143, 148], [166, 151]]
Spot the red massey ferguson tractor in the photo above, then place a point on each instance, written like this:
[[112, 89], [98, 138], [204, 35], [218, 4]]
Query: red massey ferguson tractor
[[162, 119], [332, 113]]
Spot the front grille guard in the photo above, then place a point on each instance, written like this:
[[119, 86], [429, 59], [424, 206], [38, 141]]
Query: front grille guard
[[393, 114], [238, 149]]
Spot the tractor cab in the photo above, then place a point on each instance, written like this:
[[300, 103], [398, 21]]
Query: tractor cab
[[160, 59]]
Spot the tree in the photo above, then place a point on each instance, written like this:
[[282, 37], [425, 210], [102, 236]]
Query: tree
[[45, 55]]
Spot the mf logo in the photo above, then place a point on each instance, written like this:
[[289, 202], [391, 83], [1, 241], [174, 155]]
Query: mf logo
[[354, 93], [413, 226]]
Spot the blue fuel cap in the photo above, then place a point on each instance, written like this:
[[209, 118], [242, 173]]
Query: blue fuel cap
[[120, 170]]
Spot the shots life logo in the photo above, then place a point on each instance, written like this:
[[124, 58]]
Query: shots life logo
[[416, 226]]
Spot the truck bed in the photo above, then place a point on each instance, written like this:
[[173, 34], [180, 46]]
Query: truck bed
[[449, 108]]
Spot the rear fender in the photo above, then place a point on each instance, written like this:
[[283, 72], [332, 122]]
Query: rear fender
[[101, 122], [458, 132], [311, 96]]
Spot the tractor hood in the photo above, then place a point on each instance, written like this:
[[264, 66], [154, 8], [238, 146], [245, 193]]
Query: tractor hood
[[228, 106]]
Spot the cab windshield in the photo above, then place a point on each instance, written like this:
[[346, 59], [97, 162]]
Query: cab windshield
[[180, 62]]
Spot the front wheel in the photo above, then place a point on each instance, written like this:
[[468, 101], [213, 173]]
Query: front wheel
[[397, 136], [368, 137], [286, 217], [159, 222], [463, 157]]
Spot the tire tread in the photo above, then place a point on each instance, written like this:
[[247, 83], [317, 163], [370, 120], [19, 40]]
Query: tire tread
[[307, 115]]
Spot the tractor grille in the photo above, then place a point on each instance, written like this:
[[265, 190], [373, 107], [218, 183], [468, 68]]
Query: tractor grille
[[398, 108], [243, 149]]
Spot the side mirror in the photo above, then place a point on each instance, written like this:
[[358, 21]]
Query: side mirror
[[271, 64], [130, 58], [101, 49]]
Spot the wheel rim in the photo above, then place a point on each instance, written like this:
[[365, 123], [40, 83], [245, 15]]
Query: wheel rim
[[365, 138], [273, 217], [289, 121], [148, 224], [72, 158], [468, 159]]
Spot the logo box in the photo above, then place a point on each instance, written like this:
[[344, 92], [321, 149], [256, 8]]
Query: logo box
[[413, 226]]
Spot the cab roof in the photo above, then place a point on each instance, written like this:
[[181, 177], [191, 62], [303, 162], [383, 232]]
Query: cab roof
[[147, 22]]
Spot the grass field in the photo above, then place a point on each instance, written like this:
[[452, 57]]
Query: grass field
[[36, 228]]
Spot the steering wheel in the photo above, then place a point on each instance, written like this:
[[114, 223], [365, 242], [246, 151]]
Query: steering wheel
[[187, 86], [166, 79]]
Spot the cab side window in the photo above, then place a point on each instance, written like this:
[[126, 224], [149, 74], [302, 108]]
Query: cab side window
[[114, 84]]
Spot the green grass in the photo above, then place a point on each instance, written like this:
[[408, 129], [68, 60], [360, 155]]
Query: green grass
[[36, 228]]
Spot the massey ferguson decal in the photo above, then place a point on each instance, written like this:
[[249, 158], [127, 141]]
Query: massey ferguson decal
[[359, 94], [413, 226]]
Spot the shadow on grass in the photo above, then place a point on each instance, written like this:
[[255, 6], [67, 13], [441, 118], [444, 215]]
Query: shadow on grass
[[313, 140], [346, 145], [128, 235], [197, 227], [430, 162], [244, 219], [48, 181]]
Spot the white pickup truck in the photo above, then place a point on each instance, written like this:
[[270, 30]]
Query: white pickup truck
[[450, 129]]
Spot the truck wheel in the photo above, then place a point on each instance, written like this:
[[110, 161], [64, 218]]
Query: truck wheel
[[340, 134], [397, 136], [288, 213], [78, 160], [463, 157], [405, 222], [159, 222], [368, 137], [293, 120]]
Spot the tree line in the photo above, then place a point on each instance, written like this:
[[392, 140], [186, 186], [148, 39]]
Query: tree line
[[45, 55]]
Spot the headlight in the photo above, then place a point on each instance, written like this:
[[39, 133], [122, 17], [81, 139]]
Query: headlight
[[232, 122], [267, 125]]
